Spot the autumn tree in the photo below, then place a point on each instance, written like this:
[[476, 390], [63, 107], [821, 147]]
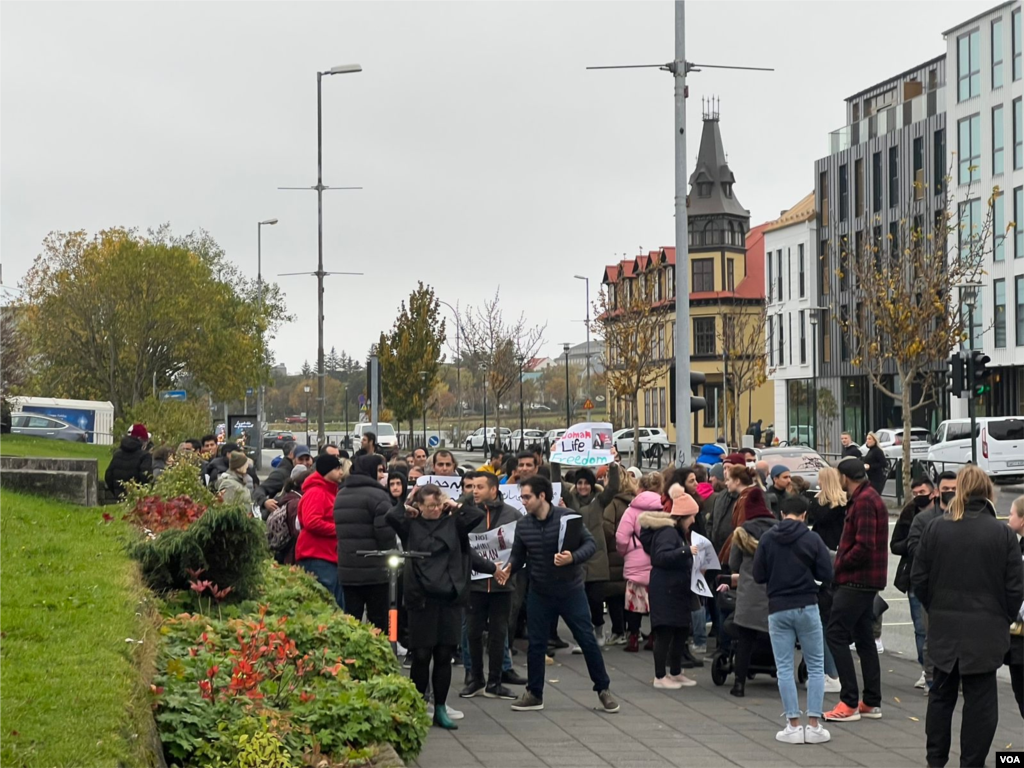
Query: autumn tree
[[741, 336], [411, 354], [632, 322], [906, 308], [495, 348], [828, 412], [106, 316]]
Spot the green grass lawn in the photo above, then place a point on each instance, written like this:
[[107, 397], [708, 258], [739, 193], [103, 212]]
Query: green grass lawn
[[71, 686], [22, 445]]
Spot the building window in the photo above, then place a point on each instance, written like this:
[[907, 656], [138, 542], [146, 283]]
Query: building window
[[894, 177], [858, 186], [977, 322], [823, 204], [1015, 19], [703, 275], [824, 272], [894, 239], [661, 402], [1018, 288], [826, 337], [998, 228], [968, 65], [999, 291], [730, 274], [782, 342], [939, 159], [876, 182], [844, 193], [800, 265], [1018, 136], [997, 53], [970, 224], [778, 276], [844, 320], [771, 341], [997, 140], [661, 342], [713, 413], [789, 332], [969, 131], [1018, 223], [844, 266], [771, 277], [647, 407], [803, 336], [704, 336], [919, 168]]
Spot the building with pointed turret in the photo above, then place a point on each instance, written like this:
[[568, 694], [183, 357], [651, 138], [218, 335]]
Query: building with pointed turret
[[727, 300]]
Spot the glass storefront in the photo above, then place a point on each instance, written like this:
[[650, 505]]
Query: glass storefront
[[854, 407], [800, 412]]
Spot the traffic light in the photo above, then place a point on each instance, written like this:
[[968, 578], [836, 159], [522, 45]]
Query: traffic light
[[957, 383], [978, 373], [696, 403]]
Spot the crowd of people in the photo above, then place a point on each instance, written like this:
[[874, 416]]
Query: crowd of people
[[787, 570]]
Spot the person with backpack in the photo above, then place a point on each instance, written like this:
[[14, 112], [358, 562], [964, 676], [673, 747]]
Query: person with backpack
[[282, 525]]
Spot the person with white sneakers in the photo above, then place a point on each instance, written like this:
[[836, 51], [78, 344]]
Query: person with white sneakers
[[790, 560]]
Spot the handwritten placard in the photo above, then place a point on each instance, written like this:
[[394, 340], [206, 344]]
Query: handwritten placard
[[587, 444], [450, 484], [513, 496], [495, 546]]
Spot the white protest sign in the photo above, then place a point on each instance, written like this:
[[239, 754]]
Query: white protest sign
[[495, 546], [513, 496], [587, 444], [704, 560], [452, 485]]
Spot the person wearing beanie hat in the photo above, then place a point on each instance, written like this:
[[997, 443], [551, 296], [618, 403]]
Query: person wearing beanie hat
[[131, 461], [316, 549], [231, 485], [737, 459], [777, 489], [664, 538]]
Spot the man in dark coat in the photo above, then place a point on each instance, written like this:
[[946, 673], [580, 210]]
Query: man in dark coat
[[850, 448], [263, 496], [219, 466], [490, 603], [967, 573], [359, 510], [1015, 656], [131, 461]]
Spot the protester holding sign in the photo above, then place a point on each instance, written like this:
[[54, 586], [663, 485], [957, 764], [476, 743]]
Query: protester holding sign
[[663, 535], [490, 603]]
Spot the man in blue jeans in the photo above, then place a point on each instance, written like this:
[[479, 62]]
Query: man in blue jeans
[[556, 588], [789, 560]]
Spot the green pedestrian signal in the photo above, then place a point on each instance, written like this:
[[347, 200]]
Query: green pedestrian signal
[[978, 374]]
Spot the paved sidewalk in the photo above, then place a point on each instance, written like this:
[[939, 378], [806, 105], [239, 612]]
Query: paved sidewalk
[[701, 727]]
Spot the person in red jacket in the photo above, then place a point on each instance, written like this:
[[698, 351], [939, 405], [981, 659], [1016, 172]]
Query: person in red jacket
[[861, 570], [316, 549]]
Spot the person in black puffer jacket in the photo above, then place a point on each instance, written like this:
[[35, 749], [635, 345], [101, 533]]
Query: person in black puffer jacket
[[359, 510], [132, 461], [875, 463]]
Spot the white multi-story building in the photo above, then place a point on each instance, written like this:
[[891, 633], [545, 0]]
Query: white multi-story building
[[986, 146], [791, 292]]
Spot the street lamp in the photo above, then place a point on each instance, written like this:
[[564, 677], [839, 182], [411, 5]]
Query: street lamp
[[260, 393], [522, 422], [458, 360], [587, 281], [306, 390], [568, 417], [423, 375], [814, 368], [345, 443], [969, 296]]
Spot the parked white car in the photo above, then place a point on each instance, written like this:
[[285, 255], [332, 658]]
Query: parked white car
[[891, 443], [1000, 445], [552, 435], [476, 440], [530, 436], [649, 436], [386, 437]]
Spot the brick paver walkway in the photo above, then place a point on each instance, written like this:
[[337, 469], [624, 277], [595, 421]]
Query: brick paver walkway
[[702, 727]]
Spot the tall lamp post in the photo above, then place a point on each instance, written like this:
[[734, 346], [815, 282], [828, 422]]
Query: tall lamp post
[[587, 281], [423, 375], [347, 425], [522, 419], [458, 360], [814, 369], [568, 416], [261, 392], [969, 296], [306, 390]]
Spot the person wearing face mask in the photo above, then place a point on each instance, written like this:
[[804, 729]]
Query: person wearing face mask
[[861, 570], [923, 497], [359, 510], [1015, 656]]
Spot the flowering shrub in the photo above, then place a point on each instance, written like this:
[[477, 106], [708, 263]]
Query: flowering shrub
[[287, 667], [156, 515], [180, 478]]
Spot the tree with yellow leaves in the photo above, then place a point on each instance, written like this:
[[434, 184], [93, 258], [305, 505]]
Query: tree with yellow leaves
[[909, 288], [741, 331]]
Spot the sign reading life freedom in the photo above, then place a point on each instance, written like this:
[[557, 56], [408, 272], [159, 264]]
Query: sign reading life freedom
[[587, 444]]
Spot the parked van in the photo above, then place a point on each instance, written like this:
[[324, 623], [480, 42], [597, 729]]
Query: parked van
[[1000, 442]]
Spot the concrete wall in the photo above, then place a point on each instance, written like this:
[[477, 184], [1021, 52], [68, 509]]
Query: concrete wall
[[71, 480]]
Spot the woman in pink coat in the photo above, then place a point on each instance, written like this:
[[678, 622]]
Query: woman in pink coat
[[637, 566]]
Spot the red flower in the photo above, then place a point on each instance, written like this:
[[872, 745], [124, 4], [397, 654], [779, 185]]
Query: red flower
[[200, 586], [107, 517], [306, 697], [212, 671], [193, 652], [195, 573], [156, 689], [206, 689]]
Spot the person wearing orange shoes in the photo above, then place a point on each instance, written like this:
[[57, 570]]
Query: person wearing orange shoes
[[861, 570], [664, 536]]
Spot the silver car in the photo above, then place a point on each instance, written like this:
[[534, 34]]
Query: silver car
[[41, 425], [801, 461]]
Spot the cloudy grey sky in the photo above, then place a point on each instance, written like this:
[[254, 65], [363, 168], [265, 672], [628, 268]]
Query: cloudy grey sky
[[489, 157]]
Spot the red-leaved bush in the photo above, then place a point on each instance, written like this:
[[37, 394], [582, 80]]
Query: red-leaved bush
[[156, 515]]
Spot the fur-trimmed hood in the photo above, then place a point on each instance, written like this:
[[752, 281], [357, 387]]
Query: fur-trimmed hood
[[748, 535], [655, 520]]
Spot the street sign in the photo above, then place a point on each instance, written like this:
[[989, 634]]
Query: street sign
[[433, 441], [249, 391], [174, 394], [589, 405]]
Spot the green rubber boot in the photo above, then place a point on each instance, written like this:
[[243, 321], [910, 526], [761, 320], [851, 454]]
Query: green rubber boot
[[441, 719]]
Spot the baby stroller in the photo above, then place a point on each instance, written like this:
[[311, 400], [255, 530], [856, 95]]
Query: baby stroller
[[762, 661]]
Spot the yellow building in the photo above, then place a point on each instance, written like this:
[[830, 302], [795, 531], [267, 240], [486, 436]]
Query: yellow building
[[727, 303]]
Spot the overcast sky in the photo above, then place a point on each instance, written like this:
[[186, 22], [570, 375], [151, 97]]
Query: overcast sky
[[488, 155]]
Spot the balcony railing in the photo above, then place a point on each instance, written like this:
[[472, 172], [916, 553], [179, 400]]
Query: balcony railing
[[888, 120]]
